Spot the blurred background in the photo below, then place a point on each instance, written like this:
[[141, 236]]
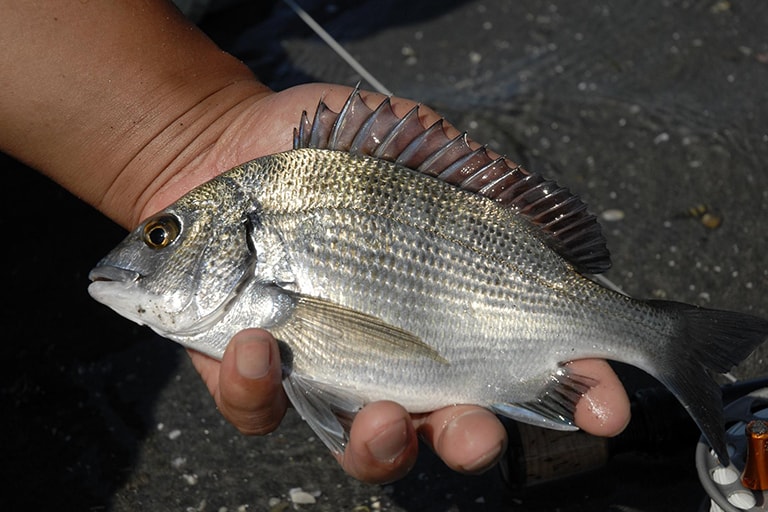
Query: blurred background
[[654, 112]]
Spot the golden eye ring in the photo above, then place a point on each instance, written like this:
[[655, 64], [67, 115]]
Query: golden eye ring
[[161, 231]]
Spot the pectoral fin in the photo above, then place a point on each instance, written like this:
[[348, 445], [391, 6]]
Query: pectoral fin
[[327, 326], [555, 406]]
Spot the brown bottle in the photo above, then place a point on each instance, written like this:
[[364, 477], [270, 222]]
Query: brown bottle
[[755, 475]]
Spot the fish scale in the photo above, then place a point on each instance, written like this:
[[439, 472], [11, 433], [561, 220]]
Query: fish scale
[[385, 282]]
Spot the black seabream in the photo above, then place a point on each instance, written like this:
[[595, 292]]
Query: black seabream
[[393, 262]]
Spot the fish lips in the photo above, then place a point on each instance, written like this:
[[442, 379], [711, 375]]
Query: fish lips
[[108, 273], [117, 288]]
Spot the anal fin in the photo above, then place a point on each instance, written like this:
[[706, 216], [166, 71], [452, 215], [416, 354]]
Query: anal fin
[[555, 406]]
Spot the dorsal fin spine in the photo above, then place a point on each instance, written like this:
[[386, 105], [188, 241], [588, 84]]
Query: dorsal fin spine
[[366, 140], [460, 165], [483, 174], [338, 125], [567, 211], [318, 137], [408, 157], [399, 136], [358, 141], [488, 188], [429, 164]]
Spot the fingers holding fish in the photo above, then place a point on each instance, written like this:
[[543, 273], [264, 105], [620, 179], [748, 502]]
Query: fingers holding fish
[[383, 445], [604, 408], [246, 384], [468, 438]]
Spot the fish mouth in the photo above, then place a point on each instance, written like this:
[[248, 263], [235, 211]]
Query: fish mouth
[[110, 273], [117, 288]]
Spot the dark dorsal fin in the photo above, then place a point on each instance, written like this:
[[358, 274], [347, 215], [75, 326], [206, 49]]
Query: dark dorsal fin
[[568, 227]]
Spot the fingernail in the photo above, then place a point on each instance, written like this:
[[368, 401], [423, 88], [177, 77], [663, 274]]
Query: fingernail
[[479, 439], [485, 461], [390, 443], [253, 357]]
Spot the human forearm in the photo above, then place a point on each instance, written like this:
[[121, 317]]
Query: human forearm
[[111, 98]]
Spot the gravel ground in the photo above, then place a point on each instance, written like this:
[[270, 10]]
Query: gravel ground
[[646, 109]]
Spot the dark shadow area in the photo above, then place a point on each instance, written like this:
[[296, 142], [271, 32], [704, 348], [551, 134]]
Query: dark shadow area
[[77, 388]]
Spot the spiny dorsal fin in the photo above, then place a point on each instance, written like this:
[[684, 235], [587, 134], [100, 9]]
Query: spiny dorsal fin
[[562, 217]]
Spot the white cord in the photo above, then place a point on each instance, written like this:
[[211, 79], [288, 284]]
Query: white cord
[[335, 46]]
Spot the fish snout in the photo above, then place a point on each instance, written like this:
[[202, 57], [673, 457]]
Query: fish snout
[[110, 273]]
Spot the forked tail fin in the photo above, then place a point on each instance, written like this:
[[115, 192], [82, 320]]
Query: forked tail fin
[[708, 341]]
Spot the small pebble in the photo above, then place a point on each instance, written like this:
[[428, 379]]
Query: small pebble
[[612, 215], [300, 497], [279, 506]]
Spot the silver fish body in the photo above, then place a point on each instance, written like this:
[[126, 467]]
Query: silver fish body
[[498, 308], [385, 283]]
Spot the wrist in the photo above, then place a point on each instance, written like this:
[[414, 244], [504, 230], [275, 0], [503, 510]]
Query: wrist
[[173, 159]]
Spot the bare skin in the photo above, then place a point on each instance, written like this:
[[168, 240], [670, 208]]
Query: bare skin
[[129, 106]]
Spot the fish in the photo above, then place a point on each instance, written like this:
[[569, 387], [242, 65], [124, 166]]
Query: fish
[[393, 262]]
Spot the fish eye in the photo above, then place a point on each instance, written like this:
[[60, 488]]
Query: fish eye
[[161, 231]]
